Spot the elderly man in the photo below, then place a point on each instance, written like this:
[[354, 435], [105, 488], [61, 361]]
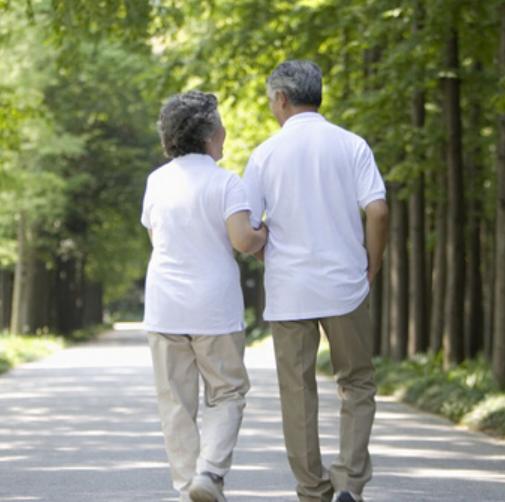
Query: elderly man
[[311, 179]]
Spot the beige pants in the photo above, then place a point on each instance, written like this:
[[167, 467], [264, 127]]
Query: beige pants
[[179, 361], [296, 344]]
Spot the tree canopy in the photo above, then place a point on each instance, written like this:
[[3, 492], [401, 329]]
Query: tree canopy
[[421, 80]]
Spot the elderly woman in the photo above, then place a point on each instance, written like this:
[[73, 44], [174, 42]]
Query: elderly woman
[[195, 212]]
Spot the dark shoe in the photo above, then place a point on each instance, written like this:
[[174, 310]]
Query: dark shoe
[[207, 487], [347, 497]]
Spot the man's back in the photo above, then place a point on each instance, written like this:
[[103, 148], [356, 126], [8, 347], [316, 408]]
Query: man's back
[[311, 179]]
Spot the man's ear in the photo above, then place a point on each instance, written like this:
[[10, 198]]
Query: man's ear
[[283, 98]]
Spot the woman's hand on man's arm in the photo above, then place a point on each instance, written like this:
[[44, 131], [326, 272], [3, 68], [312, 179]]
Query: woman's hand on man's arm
[[243, 236]]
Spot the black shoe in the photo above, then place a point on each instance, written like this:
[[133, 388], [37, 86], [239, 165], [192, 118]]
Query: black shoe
[[346, 497]]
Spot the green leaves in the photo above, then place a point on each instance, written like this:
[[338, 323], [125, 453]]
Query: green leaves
[[82, 83], [78, 134]]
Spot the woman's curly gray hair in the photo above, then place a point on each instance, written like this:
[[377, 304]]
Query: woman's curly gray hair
[[186, 121]]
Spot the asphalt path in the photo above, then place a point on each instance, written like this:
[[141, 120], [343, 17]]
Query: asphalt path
[[82, 426]]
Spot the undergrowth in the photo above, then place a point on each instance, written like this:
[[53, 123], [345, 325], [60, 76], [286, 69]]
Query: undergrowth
[[465, 394]]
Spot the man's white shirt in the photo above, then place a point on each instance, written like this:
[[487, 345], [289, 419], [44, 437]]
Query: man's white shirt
[[310, 180], [193, 280]]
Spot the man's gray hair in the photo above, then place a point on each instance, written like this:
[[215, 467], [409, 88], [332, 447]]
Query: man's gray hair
[[300, 80], [186, 121]]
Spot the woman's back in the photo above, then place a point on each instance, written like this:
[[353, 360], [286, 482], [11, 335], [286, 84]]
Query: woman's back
[[193, 281]]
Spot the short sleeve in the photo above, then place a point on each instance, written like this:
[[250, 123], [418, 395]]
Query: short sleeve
[[254, 192], [147, 204], [235, 197], [369, 183]]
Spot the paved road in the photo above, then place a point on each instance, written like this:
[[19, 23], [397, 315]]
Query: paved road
[[82, 426]]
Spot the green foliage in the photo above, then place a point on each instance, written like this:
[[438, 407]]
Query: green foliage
[[8, 255], [15, 349], [30, 140], [464, 394], [255, 329], [423, 381], [488, 415], [110, 94], [86, 334], [78, 143], [324, 361], [82, 83], [19, 349], [70, 22]]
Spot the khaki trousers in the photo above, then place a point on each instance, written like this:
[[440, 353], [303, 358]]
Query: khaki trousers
[[296, 345], [178, 362]]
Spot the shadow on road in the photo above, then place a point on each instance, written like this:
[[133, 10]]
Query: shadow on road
[[83, 426]]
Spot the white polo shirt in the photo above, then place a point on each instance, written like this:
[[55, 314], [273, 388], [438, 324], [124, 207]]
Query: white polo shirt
[[193, 280], [311, 179]]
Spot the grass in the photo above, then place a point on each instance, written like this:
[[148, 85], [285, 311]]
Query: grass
[[86, 334], [18, 349], [465, 394]]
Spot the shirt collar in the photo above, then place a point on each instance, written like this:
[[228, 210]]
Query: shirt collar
[[303, 117], [193, 159]]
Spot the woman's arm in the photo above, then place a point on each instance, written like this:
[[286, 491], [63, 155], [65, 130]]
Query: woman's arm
[[242, 235]]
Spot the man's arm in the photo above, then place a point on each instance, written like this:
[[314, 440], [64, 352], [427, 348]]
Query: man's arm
[[253, 186], [255, 196], [376, 229]]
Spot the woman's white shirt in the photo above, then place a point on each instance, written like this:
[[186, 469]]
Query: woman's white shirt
[[193, 280]]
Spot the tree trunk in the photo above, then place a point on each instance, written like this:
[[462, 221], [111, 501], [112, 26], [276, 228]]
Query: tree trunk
[[5, 298], [69, 302], [499, 309], [474, 316], [39, 298], [376, 312], [489, 249], [93, 304], [370, 58], [429, 229], [19, 294], [439, 271], [386, 312], [399, 278], [455, 293], [418, 322]]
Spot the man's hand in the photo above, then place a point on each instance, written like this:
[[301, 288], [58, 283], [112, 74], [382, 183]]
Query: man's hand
[[376, 229]]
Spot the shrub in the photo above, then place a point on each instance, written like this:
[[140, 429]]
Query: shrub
[[465, 394]]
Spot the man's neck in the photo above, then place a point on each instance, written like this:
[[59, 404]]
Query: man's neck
[[293, 110]]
